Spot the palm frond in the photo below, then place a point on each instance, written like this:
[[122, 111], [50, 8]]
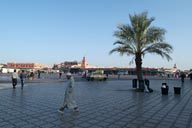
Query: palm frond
[[132, 61], [125, 32], [162, 49], [155, 34], [122, 50], [140, 23]]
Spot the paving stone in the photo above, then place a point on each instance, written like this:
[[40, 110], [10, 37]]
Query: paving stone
[[20, 124], [130, 125], [29, 126], [145, 127], [153, 121], [177, 125], [85, 125], [5, 124], [39, 123], [103, 124], [166, 123], [8, 126], [93, 121], [163, 126], [95, 126], [48, 125], [150, 125], [109, 120], [114, 126]]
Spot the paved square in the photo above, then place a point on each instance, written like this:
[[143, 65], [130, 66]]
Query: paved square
[[110, 104]]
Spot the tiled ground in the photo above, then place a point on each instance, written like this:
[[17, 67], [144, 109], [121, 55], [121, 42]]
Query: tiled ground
[[110, 104]]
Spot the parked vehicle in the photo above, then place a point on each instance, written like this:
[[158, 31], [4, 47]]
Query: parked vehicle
[[122, 73], [96, 76]]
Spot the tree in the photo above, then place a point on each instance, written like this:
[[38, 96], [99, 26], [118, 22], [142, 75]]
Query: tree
[[140, 38]]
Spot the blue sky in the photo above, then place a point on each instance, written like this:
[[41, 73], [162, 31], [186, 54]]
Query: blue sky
[[53, 31]]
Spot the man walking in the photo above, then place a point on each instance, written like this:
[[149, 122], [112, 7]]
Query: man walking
[[69, 92], [14, 78], [60, 74], [22, 78], [182, 77]]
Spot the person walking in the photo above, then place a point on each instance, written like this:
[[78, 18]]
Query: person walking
[[22, 78], [39, 74], [69, 102], [32, 75], [14, 78], [60, 74], [183, 77]]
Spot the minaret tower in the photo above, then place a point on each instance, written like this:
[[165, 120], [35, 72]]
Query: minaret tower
[[175, 66], [84, 63]]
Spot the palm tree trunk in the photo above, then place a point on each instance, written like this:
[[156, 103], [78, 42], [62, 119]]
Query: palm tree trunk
[[138, 62]]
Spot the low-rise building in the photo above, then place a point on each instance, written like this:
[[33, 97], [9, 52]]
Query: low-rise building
[[73, 65], [14, 65]]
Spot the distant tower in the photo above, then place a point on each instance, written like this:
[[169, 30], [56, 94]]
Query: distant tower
[[175, 66], [83, 63]]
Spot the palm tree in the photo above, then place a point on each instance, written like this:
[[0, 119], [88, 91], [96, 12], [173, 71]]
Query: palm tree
[[140, 38]]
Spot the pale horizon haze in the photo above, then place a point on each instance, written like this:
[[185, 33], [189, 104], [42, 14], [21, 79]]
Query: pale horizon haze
[[53, 31]]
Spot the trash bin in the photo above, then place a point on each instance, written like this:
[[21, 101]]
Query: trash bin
[[164, 89], [134, 83], [177, 90], [141, 85]]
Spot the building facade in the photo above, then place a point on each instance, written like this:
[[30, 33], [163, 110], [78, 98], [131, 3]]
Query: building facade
[[14, 65], [73, 64]]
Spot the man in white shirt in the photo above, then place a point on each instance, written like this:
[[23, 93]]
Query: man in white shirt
[[14, 78]]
